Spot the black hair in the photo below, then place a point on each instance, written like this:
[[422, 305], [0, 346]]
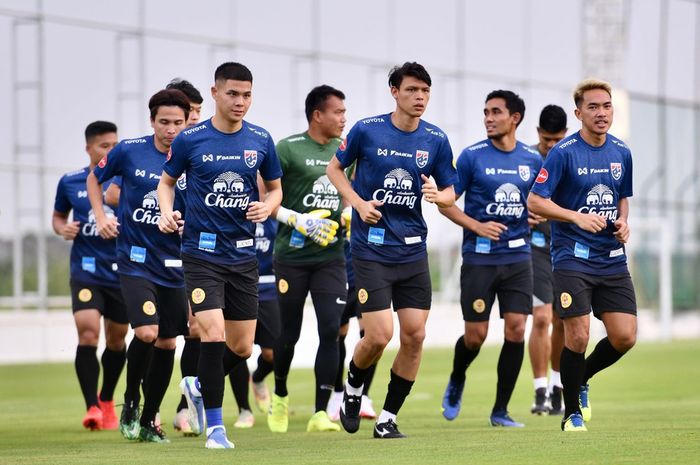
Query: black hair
[[316, 100], [232, 71], [514, 103], [187, 88], [413, 69], [97, 128], [553, 119], [169, 98]]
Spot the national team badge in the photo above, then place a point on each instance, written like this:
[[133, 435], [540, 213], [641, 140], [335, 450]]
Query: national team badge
[[85, 295], [250, 157], [198, 295], [616, 170], [479, 305], [362, 296], [421, 158], [566, 300], [283, 286], [524, 172], [149, 308]]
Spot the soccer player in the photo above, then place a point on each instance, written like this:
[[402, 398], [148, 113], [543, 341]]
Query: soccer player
[[395, 155], [305, 261], [149, 262], [94, 284], [584, 185], [551, 130], [193, 95], [495, 175], [221, 158]]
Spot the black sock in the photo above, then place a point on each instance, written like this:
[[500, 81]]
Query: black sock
[[238, 377], [284, 353], [264, 368], [326, 364], [509, 363], [572, 366], [396, 394], [211, 373], [356, 376], [88, 370], [144, 379], [188, 364], [369, 377], [231, 360], [159, 374], [112, 366], [341, 362], [602, 357], [138, 356], [462, 359]]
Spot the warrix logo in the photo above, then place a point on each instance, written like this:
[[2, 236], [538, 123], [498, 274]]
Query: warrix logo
[[600, 201], [149, 212], [228, 192], [262, 243], [323, 195], [90, 228], [507, 202], [397, 189]]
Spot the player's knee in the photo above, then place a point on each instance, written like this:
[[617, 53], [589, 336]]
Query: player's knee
[[623, 342], [267, 355], [413, 339], [243, 351], [376, 342], [88, 337], [166, 344], [541, 321], [147, 334]]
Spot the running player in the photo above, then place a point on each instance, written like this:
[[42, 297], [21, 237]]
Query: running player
[[496, 174], [94, 284], [221, 158], [584, 185], [306, 262], [149, 262], [395, 155], [551, 130]]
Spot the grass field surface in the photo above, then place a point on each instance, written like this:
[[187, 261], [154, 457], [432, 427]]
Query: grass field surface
[[646, 410]]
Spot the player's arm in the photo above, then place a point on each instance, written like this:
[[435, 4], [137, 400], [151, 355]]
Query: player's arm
[[107, 228], [489, 229], [443, 198], [366, 209], [258, 212], [169, 219], [112, 195], [64, 228], [547, 208], [622, 233]]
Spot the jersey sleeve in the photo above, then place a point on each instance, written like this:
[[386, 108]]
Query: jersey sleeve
[[111, 165], [282, 149], [464, 173], [349, 150], [550, 174], [444, 171], [626, 185], [176, 161], [62, 203], [117, 181], [270, 167]]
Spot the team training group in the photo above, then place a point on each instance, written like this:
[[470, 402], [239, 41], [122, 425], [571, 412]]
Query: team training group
[[209, 230]]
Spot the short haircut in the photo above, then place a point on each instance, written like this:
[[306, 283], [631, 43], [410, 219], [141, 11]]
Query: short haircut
[[553, 119], [514, 103], [413, 69], [590, 84], [316, 100], [232, 71], [97, 128], [169, 98], [186, 88]]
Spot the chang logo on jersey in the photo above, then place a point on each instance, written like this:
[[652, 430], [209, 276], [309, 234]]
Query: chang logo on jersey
[[262, 243], [90, 228], [507, 202], [422, 158], [149, 212], [397, 189], [600, 201], [229, 192], [323, 195]]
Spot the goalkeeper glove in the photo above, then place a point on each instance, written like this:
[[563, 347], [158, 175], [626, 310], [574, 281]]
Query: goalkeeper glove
[[315, 225], [346, 215]]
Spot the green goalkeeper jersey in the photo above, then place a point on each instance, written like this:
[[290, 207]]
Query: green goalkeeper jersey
[[306, 187]]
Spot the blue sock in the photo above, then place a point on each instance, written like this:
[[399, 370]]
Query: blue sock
[[215, 417]]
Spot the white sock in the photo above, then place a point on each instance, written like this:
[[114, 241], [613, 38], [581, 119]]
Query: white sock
[[386, 416], [540, 383], [554, 380], [353, 391]]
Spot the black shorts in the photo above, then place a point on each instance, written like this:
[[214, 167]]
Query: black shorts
[[543, 279], [269, 326], [578, 293], [295, 281], [148, 303], [232, 288], [480, 284], [107, 300], [407, 285], [351, 308]]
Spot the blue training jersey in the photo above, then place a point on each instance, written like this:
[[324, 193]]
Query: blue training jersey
[[495, 186], [264, 244], [93, 260], [142, 250], [587, 179], [389, 167], [221, 174]]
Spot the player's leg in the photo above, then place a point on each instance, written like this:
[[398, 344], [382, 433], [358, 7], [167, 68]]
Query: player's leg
[[337, 395], [266, 334], [239, 341], [87, 367], [539, 348], [188, 367], [367, 407], [555, 388], [113, 361]]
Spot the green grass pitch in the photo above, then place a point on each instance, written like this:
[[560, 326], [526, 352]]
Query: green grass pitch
[[646, 410]]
